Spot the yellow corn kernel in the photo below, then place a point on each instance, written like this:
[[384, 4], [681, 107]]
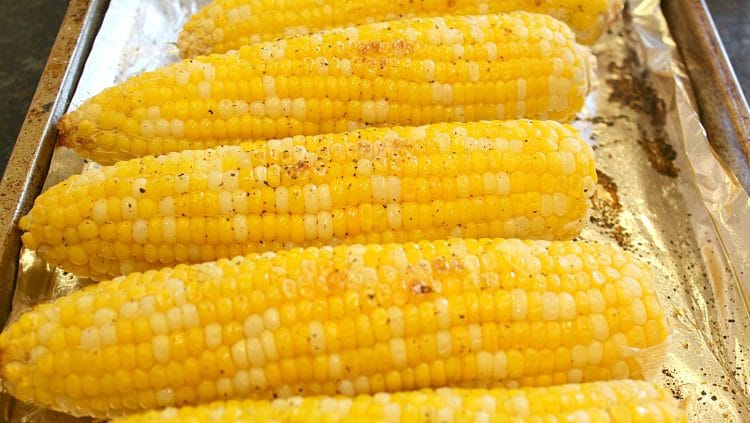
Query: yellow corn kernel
[[226, 25], [621, 400], [322, 321], [403, 72], [362, 194]]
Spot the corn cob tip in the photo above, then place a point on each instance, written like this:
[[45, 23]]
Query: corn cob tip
[[69, 131], [76, 132], [589, 69], [607, 16], [191, 43], [607, 13], [63, 130]]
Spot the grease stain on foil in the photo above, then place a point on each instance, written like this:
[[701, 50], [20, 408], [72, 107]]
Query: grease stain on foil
[[631, 87], [606, 210]]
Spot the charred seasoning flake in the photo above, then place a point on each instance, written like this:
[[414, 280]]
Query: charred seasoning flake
[[398, 47], [606, 209], [632, 88], [672, 383], [420, 287], [441, 265]]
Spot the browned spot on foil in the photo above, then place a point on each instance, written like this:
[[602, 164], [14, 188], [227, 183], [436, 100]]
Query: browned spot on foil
[[606, 209], [633, 89]]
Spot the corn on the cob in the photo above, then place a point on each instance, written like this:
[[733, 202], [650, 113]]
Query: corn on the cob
[[619, 401], [408, 72], [511, 179], [227, 25], [339, 320]]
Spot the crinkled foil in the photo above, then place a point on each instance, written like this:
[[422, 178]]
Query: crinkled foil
[[663, 194]]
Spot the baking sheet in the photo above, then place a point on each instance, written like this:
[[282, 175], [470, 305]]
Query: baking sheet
[[662, 194]]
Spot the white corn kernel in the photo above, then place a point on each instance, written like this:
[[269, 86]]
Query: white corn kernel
[[190, 316], [165, 397], [258, 379], [204, 92], [312, 202], [500, 367], [396, 321], [311, 227], [174, 319], [158, 323], [253, 325], [271, 319], [241, 383], [140, 231], [160, 348], [255, 354], [268, 342], [475, 337], [325, 226], [212, 335], [90, 338], [600, 327]]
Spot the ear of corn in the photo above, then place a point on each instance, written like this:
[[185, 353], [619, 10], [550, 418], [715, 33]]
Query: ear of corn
[[345, 320], [226, 25], [525, 179], [625, 400], [407, 72]]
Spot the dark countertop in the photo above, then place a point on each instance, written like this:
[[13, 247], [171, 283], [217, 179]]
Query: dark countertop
[[732, 18], [30, 27]]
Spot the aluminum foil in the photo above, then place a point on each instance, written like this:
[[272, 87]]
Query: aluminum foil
[[663, 194]]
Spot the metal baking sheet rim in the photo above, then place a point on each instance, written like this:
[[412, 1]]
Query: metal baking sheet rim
[[31, 156], [27, 167]]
